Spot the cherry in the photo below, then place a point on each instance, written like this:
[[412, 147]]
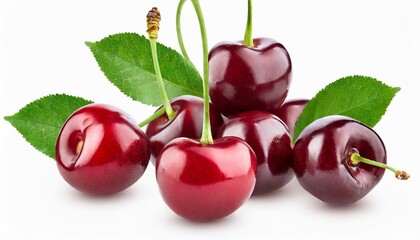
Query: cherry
[[101, 151], [270, 139], [187, 122], [253, 74], [290, 111], [204, 182], [328, 162], [244, 78]]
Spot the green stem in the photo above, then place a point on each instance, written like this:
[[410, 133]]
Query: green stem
[[152, 117], [248, 41], [355, 158], [167, 105], [206, 136], [178, 29]]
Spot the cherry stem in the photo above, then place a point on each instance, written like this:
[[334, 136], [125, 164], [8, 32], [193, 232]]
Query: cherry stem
[[153, 19], [355, 158], [178, 29], [79, 146], [248, 41], [206, 136], [152, 117]]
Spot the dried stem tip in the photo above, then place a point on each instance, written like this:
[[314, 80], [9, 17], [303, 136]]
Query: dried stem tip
[[153, 19], [402, 175]]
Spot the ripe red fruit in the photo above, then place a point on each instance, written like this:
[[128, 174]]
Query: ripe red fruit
[[290, 111], [246, 78], [101, 151], [204, 182], [188, 122], [322, 159], [269, 137]]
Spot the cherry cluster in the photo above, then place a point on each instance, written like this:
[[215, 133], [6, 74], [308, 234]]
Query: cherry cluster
[[101, 150]]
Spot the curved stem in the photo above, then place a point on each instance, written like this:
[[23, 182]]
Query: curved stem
[[248, 41], [355, 158], [167, 105], [152, 117], [153, 20], [178, 29], [206, 136]]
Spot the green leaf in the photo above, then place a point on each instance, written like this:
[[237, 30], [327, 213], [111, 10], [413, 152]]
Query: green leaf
[[362, 98], [126, 60], [40, 121]]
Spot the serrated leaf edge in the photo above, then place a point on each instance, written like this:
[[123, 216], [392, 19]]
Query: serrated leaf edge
[[9, 117], [395, 91], [92, 44]]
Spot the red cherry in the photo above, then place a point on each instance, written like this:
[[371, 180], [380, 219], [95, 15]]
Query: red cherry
[[290, 111], [188, 122], [204, 182], [322, 159], [246, 78], [101, 151], [269, 137]]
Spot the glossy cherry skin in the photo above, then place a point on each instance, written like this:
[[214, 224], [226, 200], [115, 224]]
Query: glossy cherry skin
[[100, 150], [205, 182], [188, 122], [321, 159], [290, 111], [269, 137], [245, 78]]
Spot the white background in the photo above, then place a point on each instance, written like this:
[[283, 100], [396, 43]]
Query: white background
[[42, 52]]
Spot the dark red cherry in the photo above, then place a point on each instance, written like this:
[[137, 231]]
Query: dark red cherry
[[188, 122], [322, 159], [290, 111], [269, 137], [100, 150], [204, 182], [249, 78]]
